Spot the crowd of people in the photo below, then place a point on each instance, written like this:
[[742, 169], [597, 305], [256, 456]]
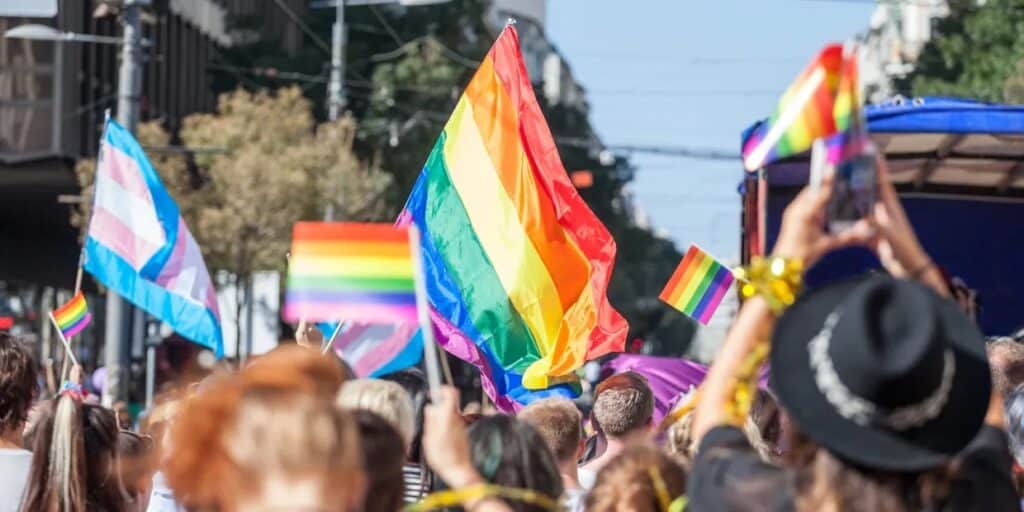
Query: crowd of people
[[883, 396]]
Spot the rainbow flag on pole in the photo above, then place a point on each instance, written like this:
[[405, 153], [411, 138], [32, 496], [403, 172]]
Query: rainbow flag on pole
[[805, 112], [72, 317], [350, 271], [516, 265], [698, 285]]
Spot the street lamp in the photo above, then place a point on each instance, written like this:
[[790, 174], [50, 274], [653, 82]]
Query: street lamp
[[44, 33], [129, 85], [336, 84]]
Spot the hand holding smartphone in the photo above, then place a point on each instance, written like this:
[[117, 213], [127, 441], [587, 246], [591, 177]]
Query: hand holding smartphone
[[854, 182]]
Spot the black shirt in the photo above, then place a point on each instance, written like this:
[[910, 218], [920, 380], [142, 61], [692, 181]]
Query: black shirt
[[728, 475]]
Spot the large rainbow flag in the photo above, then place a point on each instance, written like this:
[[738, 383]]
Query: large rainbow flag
[[516, 264], [805, 112]]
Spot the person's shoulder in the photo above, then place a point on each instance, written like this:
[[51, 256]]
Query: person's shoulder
[[15, 456]]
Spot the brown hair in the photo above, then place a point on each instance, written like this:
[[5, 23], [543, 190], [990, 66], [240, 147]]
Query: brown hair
[[826, 483], [275, 416], [18, 373], [631, 481], [559, 422], [73, 457], [383, 459], [624, 403]]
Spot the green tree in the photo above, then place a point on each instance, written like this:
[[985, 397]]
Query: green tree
[[269, 165], [974, 53], [405, 70]]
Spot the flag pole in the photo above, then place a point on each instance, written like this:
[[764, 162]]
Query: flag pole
[[430, 359], [330, 342], [67, 346]]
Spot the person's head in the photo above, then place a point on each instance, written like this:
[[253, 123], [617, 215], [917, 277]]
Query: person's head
[[266, 438], [1006, 358], [296, 366], [560, 423], [384, 398], [73, 459], [642, 478], [510, 453], [383, 459], [623, 405], [414, 383], [135, 467], [883, 383], [18, 372]]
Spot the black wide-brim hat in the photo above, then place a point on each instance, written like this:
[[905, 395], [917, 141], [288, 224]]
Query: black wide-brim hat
[[926, 445]]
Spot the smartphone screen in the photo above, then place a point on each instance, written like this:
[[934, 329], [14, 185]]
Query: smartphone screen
[[853, 190]]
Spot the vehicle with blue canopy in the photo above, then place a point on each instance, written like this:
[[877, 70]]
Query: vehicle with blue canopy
[[959, 168]]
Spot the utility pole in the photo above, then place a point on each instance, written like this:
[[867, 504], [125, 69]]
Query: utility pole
[[336, 86], [129, 83]]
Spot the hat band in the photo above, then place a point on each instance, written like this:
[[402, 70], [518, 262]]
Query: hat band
[[862, 411]]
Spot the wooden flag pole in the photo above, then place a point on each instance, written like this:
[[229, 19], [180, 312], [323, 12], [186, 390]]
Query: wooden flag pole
[[67, 346], [330, 342], [78, 275], [430, 358], [444, 366]]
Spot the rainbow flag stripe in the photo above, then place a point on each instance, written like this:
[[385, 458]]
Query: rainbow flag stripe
[[516, 265], [72, 317], [698, 285], [806, 112], [350, 271]]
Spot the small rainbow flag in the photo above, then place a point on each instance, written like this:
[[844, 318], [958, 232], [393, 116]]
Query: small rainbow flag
[[698, 285], [350, 271], [72, 317], [806, 111]]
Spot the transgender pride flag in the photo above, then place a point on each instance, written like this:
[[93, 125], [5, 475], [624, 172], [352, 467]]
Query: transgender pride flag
[[138, 245], [373, 350]]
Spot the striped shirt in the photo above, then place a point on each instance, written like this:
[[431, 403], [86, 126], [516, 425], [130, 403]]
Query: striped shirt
[[416, 483]]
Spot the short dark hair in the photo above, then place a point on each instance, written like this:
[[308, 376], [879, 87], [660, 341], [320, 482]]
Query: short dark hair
[[559, 422], [18, 388], [623, 404], [510, 453]]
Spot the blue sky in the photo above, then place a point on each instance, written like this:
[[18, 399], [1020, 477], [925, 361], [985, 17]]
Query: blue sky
[[692, 73]]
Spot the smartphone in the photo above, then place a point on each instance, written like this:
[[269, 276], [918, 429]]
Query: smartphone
[[853, 189]]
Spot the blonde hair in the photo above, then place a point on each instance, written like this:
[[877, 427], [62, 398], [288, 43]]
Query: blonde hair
[[383, 398], [679, 441], [559, 422]]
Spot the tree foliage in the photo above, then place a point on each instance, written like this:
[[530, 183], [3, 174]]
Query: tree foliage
[[276, 167], [405, 70], [262, 164], [975, 52]]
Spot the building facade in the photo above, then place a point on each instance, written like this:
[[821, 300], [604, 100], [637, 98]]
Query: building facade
[[897, 33]]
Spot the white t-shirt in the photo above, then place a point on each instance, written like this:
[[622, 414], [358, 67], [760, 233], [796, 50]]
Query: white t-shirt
[[587, 478], [572, 500], [14, 467]]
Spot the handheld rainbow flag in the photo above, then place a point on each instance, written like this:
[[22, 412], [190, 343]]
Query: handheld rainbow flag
[[516, 266], [698, 285], [72, 317], [350, 271], [805, 112]]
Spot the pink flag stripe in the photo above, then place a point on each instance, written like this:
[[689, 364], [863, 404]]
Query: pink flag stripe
[[385, 350], [123, 169], [383, 314], [107, 229]]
